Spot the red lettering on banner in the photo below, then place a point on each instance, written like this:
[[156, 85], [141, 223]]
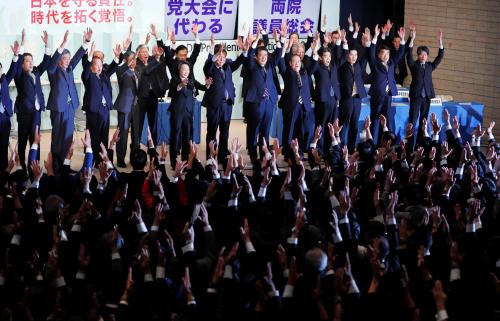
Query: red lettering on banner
[[104, 15], [64, 3], [103, 3], [80, 16], [52, 14], [37, 17], [119, 15], [36, 3], [66, 17], [50, 3]]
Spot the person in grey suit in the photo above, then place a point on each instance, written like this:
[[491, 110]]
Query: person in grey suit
[[128, 81], [63, 97]]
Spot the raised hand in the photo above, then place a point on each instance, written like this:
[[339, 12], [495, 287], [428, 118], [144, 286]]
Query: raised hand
[[377, 31], [401, 32], [117, 50], [45, 38], [15, 48], [194, 29], [65, 39], [87, 35], [154, 31], [115, 138]]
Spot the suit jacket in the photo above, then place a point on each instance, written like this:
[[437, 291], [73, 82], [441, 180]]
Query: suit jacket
[[127, 84], [381, 77], [327, 78], [97, 88], [348, 76], [29, 89], [173, 63], [290, 96], [421, 76], [5, 80], [182, 100], [258, 80], [62, 83], [147, 77], [215, 95]]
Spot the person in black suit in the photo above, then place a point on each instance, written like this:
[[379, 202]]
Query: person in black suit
[[219, 97], [401, 69], [30, 101], [261, 95], [352, 90], [296, 104], [181, 113], [181, 55], [128, 83], [6, 106], [327, 92], [97, 100], [422, 88], [383, 86]]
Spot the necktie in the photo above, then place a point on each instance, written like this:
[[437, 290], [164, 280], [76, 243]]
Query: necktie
[[223, 75], [266, 91], [103, 100], [423, 94], [354, 87], [2, 108], [299, 83], [37, 103]]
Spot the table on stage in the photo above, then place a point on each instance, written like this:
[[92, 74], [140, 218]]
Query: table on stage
[[163, 123], [469, 115]]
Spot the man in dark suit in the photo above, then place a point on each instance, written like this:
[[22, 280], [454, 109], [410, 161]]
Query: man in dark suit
[[219, 98], [30, 101], [261, 96], [63, 97], [352, 90], [422, 88], [6, 106], [181, 113], [181, 55], [327, 92], [401, 70], [296, 104], [383, 86], [127, 98], [97, 100]]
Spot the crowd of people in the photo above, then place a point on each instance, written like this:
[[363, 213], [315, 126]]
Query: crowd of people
[[353, 227]]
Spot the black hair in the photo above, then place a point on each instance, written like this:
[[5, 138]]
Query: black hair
[[422, 48], [382, 47], [323, 50], [259, 49], [389, 135], [179, 48], [138, 159], [217, 49]]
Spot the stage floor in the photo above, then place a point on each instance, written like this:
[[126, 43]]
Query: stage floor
[[237, 129]]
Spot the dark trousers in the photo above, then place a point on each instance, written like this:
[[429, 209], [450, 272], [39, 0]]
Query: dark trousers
[[325, 112], [297, 123], [4, 140], [98, 125], [259, 117], [26, 125], [349, 120], [144, 105], [419, 105], [181, 132], [124, 122], [219, 118], [62, 134], [379, 105]]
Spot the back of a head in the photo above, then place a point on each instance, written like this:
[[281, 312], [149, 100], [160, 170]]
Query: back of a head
[[138, 159]]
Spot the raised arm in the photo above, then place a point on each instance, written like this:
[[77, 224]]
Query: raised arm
[[409, 52], [54, 62], [440, 55], [197, 46], [373, 47], [401, 51], [87, 37]]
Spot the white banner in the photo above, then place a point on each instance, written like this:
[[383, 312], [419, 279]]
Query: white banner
[[270, 14], [211, 16]]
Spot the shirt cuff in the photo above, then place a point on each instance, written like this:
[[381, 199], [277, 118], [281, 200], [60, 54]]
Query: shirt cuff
[[249, 246], [262, 191], [160, 272], [141, 227], [228, 272], [189, 247], [34, 146], [288, 292]]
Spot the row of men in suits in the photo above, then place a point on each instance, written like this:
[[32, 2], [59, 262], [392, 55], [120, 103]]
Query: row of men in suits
[[337, 91]]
